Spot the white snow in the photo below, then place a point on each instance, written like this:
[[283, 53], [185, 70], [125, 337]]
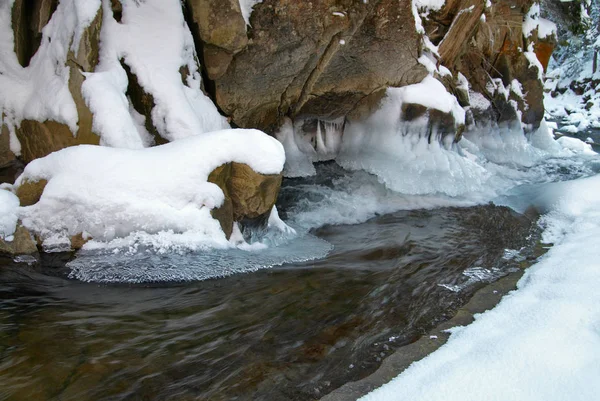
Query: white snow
[[575, 145], [534, 62], [154, 41], [246, 6], [542, 342], [9, 204], [533, 21], [40, 91], [113, 193]]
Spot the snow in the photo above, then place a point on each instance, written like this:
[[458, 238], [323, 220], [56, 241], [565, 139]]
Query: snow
[[246, 6], [575, 145], [430, 93], [534, 62], [40, 91], [541, 342], [533, 21], [9, 204], [112, 193], [155, 42], [478, 101]]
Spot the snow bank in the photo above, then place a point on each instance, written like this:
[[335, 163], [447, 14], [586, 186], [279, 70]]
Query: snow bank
[[9, 205], [575, 145], [109, 193], [541, 342]]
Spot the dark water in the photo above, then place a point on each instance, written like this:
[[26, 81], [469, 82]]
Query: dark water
[[291, 333]]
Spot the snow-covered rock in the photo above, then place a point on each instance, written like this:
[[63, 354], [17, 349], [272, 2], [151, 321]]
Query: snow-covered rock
[[105, 193]]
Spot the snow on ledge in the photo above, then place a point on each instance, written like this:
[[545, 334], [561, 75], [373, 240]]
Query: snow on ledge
[[108, 193]]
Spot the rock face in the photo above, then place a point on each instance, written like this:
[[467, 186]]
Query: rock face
[[483, 43], [37, 138], [305, 59], [249, 196]]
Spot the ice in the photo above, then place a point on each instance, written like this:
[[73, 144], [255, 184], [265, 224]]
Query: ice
[[9, 204], [142, 264], [541, 342], [112, 193]]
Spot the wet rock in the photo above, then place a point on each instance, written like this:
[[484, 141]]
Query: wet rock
[[249, 196], [22, 243]]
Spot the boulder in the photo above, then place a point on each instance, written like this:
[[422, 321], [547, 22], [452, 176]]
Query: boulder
[[22, 243], [249, 196], [304, 59]]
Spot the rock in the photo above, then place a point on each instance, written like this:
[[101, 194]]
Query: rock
[[39, 139], [249, 196], [491, 47], [22, 244], [219, 23], [30, 192], [6, 155], [78, 241], [309, 59], [28, 20]]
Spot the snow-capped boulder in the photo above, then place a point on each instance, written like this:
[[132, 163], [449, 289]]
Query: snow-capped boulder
[[104, 193]]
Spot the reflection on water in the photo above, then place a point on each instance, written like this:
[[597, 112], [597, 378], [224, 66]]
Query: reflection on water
[[294, 332]]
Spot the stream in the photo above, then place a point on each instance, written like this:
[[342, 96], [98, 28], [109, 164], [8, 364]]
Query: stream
[[372, 271]]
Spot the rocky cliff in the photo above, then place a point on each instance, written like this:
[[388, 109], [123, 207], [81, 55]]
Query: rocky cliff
[[325, 60]]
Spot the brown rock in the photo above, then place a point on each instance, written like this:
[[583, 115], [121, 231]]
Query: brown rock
[[248, 194], [39, 139], [216, 61], [30, 192], [22, 244], [6, 155], [304, 61], [219, 23], [28, 20], [77, 241]]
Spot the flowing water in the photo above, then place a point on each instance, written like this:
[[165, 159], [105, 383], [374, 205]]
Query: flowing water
[[333, 304]]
